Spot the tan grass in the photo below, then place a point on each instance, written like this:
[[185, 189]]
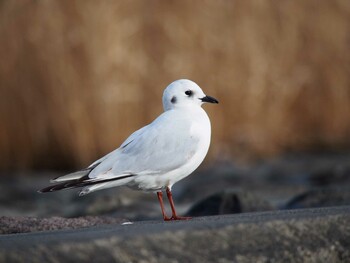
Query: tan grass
[[76, 77]]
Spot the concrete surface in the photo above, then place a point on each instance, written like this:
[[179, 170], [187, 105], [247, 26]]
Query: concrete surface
[[304, 235]]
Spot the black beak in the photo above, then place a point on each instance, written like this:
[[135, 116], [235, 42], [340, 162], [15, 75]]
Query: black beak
[[209, 99]]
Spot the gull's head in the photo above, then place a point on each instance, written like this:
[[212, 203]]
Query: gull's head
[[184, 93]]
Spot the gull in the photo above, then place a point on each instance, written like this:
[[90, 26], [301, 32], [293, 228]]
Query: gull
[[156, 156]]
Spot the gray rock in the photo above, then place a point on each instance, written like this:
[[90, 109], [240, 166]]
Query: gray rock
[[320, 198], [276, 181], [336, 174], [306, 235], [229, 202]]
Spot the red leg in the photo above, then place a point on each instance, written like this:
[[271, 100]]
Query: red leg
[[160, 199], [174, 215]]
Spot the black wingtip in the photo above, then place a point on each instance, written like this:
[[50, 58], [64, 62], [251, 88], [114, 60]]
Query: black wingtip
[[45, 190], [79, 183], [56, 187]]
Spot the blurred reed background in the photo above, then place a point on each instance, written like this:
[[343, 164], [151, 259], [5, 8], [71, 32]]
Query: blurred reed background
[[77, 77]]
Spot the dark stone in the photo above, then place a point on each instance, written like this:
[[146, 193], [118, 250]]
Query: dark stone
[[320, 198], [229, 202], [332, 175]]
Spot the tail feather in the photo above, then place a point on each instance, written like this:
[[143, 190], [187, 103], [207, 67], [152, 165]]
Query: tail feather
[[57, 187], [71, 176], [88, 189], [76, 175], [81, 182]]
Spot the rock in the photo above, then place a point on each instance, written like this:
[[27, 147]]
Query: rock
[[332, 175], [305, 235], [320, 198], [11, 225], [229, 202], [276, 181]]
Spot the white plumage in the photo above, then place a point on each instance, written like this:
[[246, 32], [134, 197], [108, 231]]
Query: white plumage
[[158, 155]]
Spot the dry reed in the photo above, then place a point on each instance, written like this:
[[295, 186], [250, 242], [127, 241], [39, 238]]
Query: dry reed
[[76, 77]]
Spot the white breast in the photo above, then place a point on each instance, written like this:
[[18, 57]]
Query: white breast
[[200, 133]]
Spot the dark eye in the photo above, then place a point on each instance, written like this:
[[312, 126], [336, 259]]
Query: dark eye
[[188, 92]]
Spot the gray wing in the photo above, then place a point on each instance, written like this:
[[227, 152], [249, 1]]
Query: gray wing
[[164, 145]]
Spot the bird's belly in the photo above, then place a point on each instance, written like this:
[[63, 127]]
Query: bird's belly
[[155, 182]]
